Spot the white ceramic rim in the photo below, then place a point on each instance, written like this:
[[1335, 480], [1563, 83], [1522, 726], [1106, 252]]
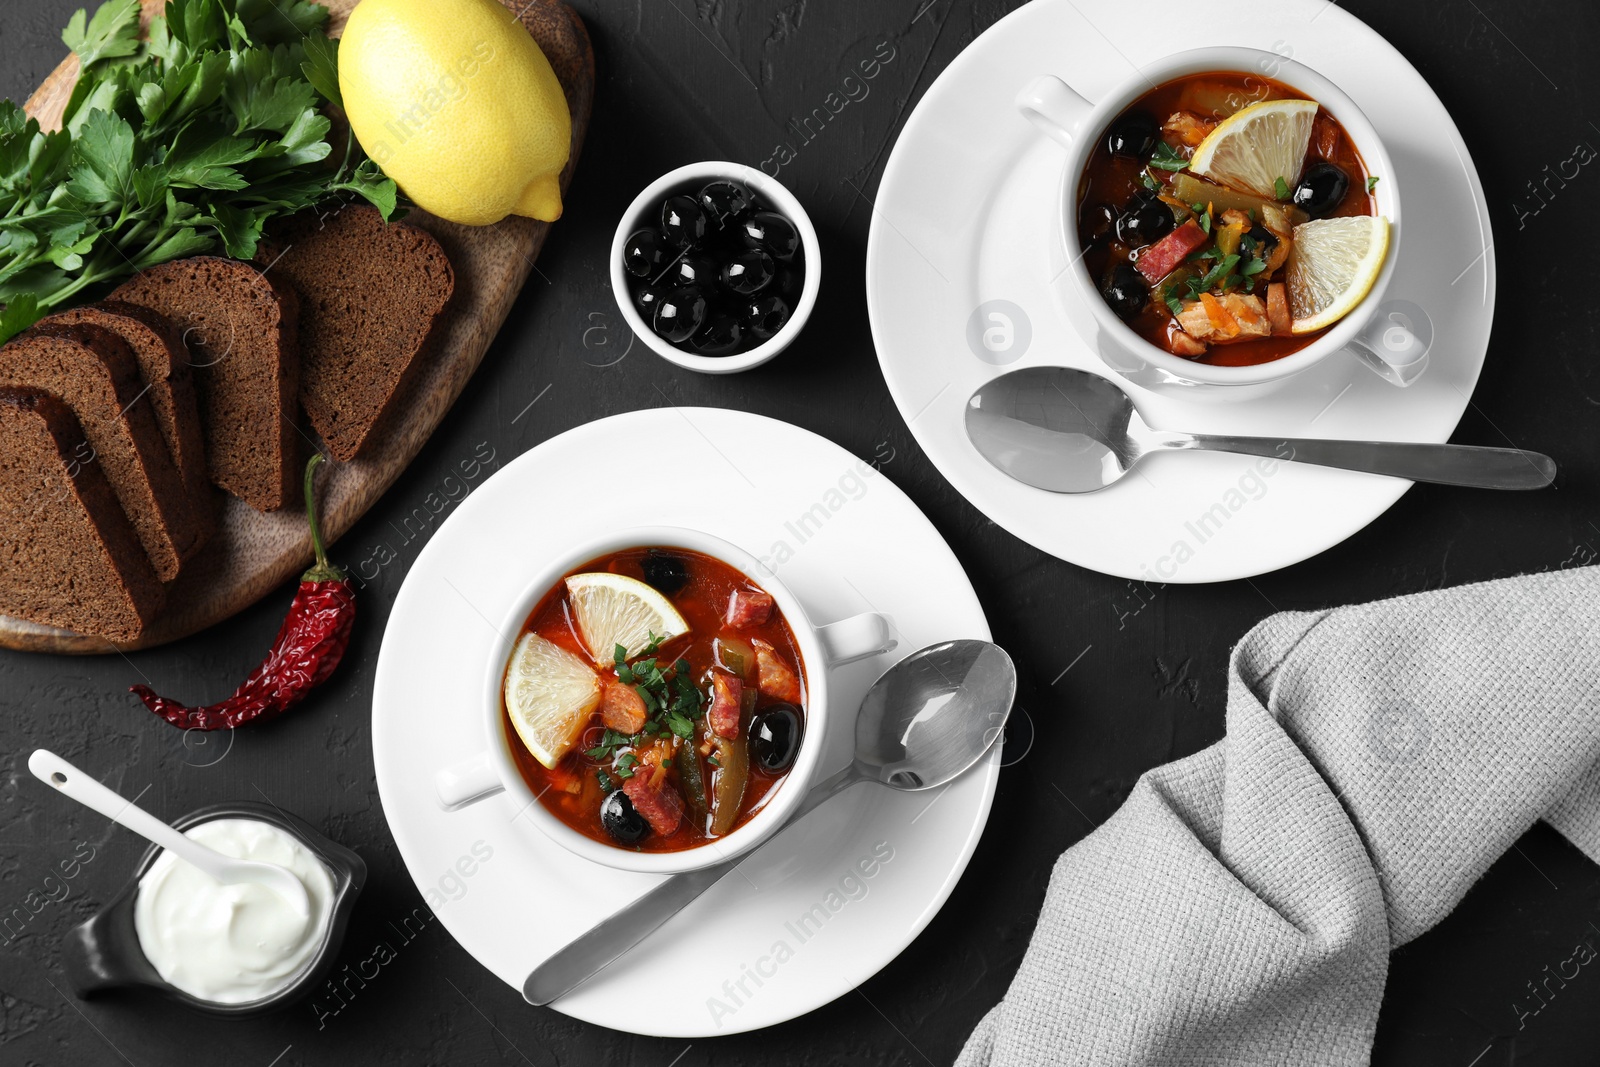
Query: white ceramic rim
[[1297, 76], [780, 199], [780, 800]]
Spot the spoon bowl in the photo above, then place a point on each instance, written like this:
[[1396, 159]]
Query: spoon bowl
[[924, 721], [1070, 431], [934, 714]]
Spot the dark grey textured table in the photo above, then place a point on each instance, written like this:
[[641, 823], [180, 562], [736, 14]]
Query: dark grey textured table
[[689, 79]]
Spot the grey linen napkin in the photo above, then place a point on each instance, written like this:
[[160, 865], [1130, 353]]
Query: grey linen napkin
[[1240, 907]]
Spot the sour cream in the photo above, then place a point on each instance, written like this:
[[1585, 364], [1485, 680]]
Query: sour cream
[[231, 944]]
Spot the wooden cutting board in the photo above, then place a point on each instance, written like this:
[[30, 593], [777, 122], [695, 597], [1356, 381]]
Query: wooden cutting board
[[252, 553]]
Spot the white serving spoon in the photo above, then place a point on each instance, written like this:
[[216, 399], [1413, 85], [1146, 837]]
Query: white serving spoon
[[54, 771]]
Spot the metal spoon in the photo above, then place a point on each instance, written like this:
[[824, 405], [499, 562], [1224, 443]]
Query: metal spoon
[[1069, 431], [924, 721], [52, 770]]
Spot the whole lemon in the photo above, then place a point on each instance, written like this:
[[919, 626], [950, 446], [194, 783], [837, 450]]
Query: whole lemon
[[455, 101]]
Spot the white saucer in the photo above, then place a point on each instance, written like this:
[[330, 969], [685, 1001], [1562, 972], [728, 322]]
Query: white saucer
[[803, 925], [965, 215]]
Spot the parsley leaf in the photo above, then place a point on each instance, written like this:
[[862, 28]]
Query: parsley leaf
[[111, 34], [1170, 298], [1217, 273], [1281, 187], [321, 67], [20, 313], [103, 155], [1167, 158], [1372, 183]]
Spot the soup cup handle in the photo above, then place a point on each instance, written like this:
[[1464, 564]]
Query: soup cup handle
[[856, 638], [1053, 106], [467, 782], [1394, 345]]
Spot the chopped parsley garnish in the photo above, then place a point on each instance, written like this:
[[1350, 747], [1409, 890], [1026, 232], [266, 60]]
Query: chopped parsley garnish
[[1148, 180], [671, 700], [610, 741], [1167, 158], [606, 784], [1247, 273], [1281, 187], [1170, 298], [1372, 183], [1217, 273]]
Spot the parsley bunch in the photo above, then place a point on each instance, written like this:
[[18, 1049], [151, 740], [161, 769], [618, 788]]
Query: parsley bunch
[[186, 142]]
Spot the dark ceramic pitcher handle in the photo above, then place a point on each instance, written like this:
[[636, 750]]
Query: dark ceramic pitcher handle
[[92, 956]]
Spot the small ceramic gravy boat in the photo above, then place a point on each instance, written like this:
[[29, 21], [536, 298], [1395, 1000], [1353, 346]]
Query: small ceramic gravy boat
[[104, 954]]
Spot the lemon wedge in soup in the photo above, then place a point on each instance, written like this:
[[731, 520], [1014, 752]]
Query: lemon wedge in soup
[[1254, 149], [1333, 266], [550, 694], [613, 609]]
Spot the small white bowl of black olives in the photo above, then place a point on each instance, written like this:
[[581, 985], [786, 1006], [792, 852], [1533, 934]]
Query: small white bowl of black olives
[[715, 266]]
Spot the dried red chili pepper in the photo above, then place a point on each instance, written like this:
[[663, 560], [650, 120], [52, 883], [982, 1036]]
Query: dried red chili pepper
[[308, 647]]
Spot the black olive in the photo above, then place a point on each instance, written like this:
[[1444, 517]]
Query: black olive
[[1126, 292], [770, 232], [1145, 222], [1134, 135], [764, 316], [666, 572], [1321, 190], [645, 253], [726, 201], [645, 298], [747, 273], [775, 737], [1264, 239], [720, 336], [680, 313], [684, 222], [626, 826], [790, 281], [691, 268], [1099, 223]]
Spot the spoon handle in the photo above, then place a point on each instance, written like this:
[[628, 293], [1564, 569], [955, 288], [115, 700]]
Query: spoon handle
[[1467, 465], [56, 772], [606, 941]]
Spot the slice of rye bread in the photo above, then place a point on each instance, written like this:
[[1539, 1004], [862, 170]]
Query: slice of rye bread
[[94, 373], [68, 556], [164, 364], [240, 327], [371, 295]]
